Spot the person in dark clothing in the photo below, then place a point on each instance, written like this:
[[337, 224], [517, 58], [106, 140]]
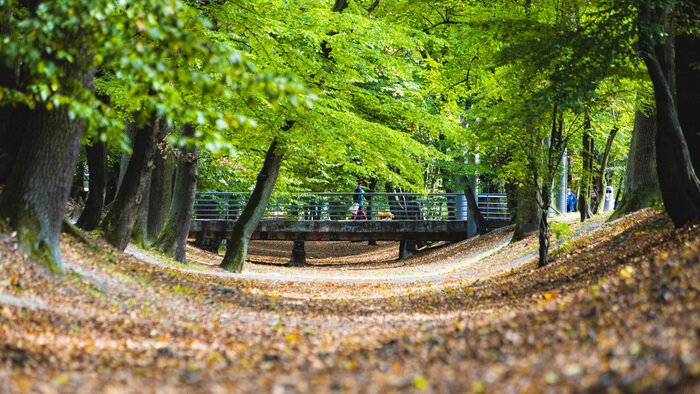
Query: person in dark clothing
[[358, 198]]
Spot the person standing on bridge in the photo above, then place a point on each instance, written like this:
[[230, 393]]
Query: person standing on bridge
[[358, 199]]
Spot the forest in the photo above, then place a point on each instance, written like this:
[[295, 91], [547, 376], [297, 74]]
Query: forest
[[123, 124]]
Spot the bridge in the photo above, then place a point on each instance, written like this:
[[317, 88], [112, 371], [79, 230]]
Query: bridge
[[299, 217]]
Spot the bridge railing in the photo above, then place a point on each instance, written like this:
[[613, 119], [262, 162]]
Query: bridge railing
[[335, 206], [494, 207]]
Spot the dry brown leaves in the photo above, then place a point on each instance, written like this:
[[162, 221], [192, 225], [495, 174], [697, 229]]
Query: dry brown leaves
[[617, 309]]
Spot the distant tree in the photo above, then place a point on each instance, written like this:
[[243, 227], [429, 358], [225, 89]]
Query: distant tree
[[172, 240], [642, 182]]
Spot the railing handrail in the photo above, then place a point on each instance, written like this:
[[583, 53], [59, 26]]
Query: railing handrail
[[334, 205]]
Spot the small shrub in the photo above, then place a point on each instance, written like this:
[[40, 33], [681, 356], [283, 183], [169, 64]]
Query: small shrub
[[561, 230]]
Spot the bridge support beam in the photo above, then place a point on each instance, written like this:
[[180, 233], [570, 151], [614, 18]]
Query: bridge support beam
[[407, 248], [298, 255]]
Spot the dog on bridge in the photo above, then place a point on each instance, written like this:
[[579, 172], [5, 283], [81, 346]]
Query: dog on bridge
[[385, 215]]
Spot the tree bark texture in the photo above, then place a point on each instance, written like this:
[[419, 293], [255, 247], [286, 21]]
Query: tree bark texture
[[474, 210], [237, 246], [161, 191], [601, 182], [641, 183], [13, 119], [679, 184], [688, 93], [587, 171], [544, 200], [112, 177], [119, 222], [526, 217], [130, 131], [38, 185], [173, 237], [139, 234], [544, 183], [97, 167]]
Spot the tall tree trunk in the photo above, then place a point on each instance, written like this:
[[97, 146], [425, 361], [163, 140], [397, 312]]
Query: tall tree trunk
[[97, 166], [139, 233], [544, 200], [78, 180], [130, 133], [371, 188], [119, 222], [237, 246], [474, 210], [687, 97], [679, 184], [112, 178], [642, 183], [587, 170], [601, 182], [13, 119], [526, 217], [544, 184], [680, 187], [38, 185], [173, 238], [161, 192]]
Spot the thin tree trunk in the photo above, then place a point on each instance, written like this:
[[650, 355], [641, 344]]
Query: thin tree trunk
[[119, 222], [78, 180], [474, 210], [97, 166], [587, 173], [371, 188], [237, 247], [173, 237], [161, 192], [544, 200], [601, 182], [642, 183], [38, 185], [112, 178]]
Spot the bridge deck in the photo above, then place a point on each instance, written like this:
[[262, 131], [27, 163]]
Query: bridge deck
[[344, 230]]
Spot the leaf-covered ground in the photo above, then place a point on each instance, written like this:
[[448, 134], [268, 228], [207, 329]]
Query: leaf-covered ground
[[618, 309]]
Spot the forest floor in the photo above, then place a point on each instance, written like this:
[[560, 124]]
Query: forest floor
[[616, 309]]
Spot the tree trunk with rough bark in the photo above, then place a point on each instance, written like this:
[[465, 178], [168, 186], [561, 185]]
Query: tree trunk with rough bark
[[587, 171], [601, 182], [688, 93], [371, 188], [679, 184], [642, 183], [130, 131], [97, 166], [526, 218], [13, 119], [173, 237], [38, 185], [544, 200], [139, 233], [474, 210], [161, 192], [119, 222], [237, 247]]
